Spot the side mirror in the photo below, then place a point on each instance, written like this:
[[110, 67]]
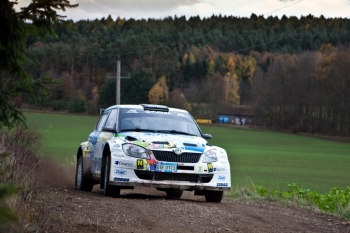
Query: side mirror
[[207, 136]]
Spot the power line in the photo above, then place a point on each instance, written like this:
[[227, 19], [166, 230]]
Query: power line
[[284, 7]]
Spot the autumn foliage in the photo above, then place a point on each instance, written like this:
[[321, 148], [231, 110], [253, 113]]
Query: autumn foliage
[[159, 92], [289, 73]]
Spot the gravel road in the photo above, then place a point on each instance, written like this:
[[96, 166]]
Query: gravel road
[[65, 209]]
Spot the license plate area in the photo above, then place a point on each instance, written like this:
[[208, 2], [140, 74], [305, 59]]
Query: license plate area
[[166, 167]]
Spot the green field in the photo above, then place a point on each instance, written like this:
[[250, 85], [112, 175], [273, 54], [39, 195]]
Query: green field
[[62, 133], [272, 160]]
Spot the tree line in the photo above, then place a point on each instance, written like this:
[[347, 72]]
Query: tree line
[[284, 69]]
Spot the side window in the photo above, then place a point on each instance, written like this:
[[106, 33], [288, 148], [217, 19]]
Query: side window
[[112, 119], [102, 122]]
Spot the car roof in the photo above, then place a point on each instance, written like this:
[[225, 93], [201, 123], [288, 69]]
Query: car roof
[[135, 106]]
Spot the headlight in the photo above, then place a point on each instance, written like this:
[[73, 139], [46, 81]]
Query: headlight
[[210, 157], [135, 151]]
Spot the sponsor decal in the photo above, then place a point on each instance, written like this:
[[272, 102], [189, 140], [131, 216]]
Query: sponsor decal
[[222, 157], [118, 179], [141, 143], [219, 169], [222, 184], [155, 146], [139, 164], [221, 177], [106, 136], [170, 145], [158, 112], [147, 139], [124, 164], [120, 172], [116, 147], [210, 167], [118, 155], [93, 139], [200, 169]]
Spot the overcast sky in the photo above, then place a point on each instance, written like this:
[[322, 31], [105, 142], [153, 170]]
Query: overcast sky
[[138, 9]]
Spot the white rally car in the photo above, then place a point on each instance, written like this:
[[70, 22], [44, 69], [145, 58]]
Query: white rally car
[[152, 146]]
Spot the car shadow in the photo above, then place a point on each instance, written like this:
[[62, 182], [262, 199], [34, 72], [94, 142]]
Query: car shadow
[[143, 193]]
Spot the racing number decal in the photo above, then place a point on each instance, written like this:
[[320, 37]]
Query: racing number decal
[[210, 167], [86, 150], [139, 164]]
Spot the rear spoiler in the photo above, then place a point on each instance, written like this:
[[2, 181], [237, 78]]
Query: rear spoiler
[[154, 107]]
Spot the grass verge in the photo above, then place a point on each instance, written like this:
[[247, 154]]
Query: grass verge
[[336, 201]]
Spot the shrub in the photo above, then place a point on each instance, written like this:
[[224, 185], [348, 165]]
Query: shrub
[[77, 105], [19, 148], [6, 213], [59, 105], [18, 158], [336, 201]]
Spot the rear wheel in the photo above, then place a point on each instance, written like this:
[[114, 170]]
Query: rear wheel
[[174, 193], [109, 190], [82, 183], [213, 196]]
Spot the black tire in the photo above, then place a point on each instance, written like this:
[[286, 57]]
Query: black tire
[[174, 193], [109, 190], [81, 182], [213, 196]]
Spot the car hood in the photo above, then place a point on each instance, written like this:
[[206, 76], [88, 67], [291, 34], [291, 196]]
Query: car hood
[[163, 141]]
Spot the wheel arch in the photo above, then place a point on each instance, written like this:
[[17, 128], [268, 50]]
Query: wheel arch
[[78, 155], [106, 152]]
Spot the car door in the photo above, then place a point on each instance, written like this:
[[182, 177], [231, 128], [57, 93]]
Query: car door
[[105, 133], [95, 152]]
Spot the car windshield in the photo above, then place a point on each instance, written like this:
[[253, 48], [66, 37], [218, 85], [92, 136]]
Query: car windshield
[[155, 121]]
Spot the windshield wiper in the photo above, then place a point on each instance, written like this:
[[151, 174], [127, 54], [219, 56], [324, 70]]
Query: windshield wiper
[[175, 131], [138, 130]]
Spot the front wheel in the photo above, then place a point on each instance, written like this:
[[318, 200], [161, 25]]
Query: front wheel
[[82, 183], [213, 196], [109, 190], [174, 193]]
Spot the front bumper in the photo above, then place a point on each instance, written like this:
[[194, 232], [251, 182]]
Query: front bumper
[[195, 176]]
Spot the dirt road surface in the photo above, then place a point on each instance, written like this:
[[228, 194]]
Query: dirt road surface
[[65, 209]]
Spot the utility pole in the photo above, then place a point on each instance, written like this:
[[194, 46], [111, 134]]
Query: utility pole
[[118, 80]]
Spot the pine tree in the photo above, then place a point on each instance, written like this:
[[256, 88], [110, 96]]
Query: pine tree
[[14, 79]]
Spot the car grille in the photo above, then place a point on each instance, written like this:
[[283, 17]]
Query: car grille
[[170, 156], [162, 176]]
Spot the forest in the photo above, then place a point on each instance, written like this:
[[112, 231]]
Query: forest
[[289, 73]]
